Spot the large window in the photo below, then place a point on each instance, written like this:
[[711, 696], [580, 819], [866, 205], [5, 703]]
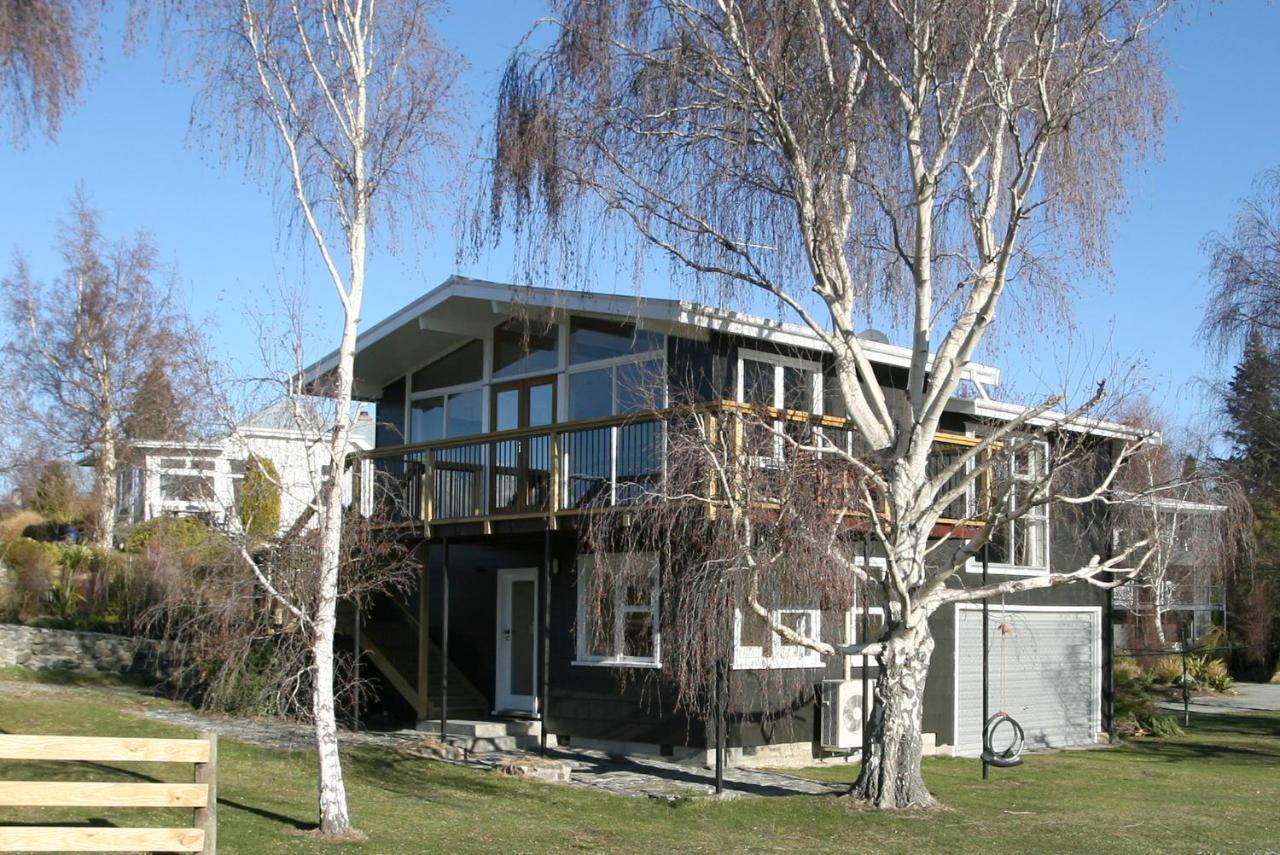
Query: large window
[[757, 647], [626, 387], [1024, 542], [441, 416], [621, 626]]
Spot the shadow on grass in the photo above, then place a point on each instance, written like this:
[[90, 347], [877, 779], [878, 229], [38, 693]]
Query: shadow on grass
[[1247, 739]]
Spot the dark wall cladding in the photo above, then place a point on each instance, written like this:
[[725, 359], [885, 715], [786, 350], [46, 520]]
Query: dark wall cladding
[[390, 426]]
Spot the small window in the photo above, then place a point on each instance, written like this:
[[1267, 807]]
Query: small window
[[464, 365], [186, 488], [622, 628], [525, 348], [757, 647], [592, 339]]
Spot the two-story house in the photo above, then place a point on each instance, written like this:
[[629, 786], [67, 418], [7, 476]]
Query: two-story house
[[505, 414]]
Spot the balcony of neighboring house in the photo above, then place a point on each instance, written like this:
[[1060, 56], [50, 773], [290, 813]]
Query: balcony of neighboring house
[[548, 475]]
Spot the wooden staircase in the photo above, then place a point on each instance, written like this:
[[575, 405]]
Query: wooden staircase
[[389, 640]]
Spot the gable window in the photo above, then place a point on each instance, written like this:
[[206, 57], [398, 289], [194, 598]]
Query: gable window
[[621, 628], [757, 647], [521, 347], [593, 340], [1024, 542], [456, 368]]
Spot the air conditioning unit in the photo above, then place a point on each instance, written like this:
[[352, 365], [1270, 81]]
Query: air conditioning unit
[[842, 715]]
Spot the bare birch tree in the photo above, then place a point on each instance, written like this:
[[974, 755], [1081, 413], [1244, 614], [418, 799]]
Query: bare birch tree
[[82, 346], [344, 100], [927, 161], [1244, 271]]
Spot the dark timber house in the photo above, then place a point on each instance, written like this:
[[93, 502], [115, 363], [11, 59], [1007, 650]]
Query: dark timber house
[[494, 433]]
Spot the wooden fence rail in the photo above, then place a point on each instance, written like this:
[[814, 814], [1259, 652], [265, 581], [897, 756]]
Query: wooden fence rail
[[201, 796]]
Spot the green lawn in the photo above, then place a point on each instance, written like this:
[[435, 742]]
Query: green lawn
[[1216, 789]]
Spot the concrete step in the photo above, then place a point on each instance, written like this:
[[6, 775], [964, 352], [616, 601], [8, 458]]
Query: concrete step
[[483, 736], [478, 729]]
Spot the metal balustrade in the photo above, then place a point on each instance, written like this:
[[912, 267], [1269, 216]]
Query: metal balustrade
[[577, 467]]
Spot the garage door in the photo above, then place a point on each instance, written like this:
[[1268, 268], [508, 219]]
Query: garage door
[[1052, 675]]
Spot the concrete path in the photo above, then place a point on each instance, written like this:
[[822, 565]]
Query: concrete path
[[650, 777], [1248, 697]]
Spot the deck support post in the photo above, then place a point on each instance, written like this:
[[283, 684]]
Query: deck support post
[[544, 667], [444, 644]]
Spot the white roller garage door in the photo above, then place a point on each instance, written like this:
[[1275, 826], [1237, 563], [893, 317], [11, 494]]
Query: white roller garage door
[[1052, 674]]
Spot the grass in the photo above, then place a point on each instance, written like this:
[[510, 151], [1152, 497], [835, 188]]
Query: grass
[[1214, 789]]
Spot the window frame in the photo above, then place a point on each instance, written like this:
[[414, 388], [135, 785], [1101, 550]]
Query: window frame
[[584, 566], [612, 364], [753, 658], [1039, 515]]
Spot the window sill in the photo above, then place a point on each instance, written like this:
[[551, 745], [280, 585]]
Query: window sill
[[615, 663], [778, 664], [1006, 569]]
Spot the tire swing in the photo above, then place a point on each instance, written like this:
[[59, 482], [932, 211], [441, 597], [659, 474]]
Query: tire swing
[[1011, 754]]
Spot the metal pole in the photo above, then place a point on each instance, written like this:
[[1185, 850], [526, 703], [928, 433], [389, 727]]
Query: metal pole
[[986, 649], [1111, 666], [546, 642], [355, 671], [862, 636], [720, 725], [1186, 687], [444, 644]]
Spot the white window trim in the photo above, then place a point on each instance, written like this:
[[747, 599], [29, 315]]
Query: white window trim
[[585, 565], [789, 656], [974, 564]]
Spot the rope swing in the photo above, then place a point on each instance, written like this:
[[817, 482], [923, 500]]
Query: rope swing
[[1011, 753]]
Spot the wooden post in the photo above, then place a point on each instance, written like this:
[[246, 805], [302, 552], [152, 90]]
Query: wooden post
[[206, 818], [424, 640]]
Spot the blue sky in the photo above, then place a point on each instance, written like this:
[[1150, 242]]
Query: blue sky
[[129, 144]]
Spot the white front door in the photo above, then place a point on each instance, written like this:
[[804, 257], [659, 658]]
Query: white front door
[[517, 648]]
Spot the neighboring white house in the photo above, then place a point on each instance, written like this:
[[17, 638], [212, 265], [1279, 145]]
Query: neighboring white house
[[1181, 586], [203, 478]]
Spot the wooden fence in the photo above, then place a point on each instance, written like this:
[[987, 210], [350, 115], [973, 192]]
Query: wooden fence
[[201, 796]]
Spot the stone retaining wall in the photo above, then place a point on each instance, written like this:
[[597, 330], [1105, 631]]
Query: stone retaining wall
[[43, 649]]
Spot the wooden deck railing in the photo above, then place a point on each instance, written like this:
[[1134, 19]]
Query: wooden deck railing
[[561, 469], [201, 796]]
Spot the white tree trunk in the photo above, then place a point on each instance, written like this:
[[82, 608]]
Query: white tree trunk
[[890, 775], [104, 476]]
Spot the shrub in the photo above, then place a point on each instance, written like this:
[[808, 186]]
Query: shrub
[[34, 567], [184, 535], [1163, 726], [12, 526], [1217, 676], [260, 499], [1166, 671]]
